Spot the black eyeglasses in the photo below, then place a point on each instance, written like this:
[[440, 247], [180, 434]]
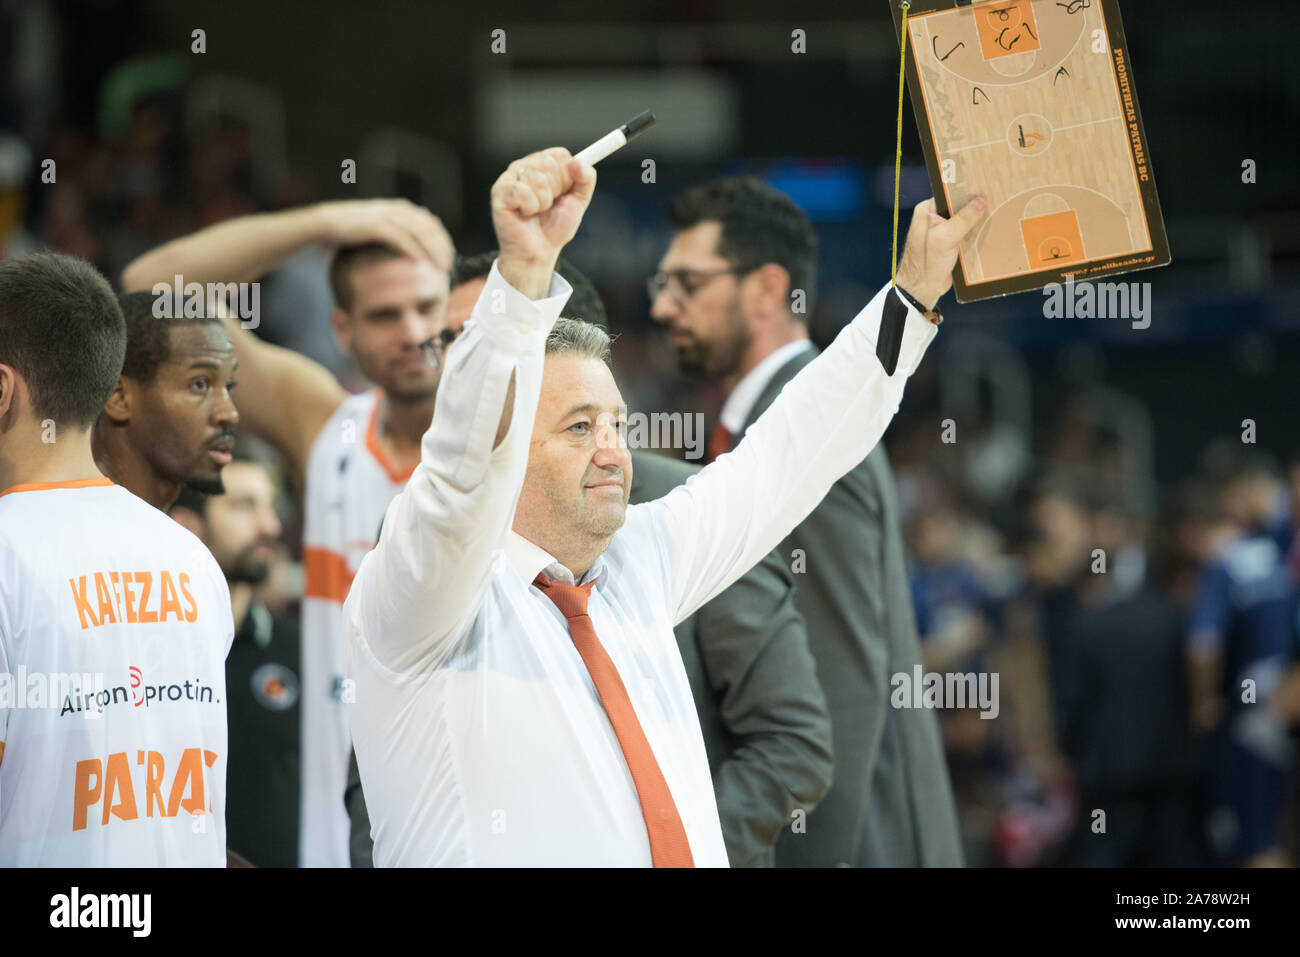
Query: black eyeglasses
[[684, 283], [435, 348]]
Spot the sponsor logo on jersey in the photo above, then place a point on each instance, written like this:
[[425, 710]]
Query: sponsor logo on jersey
[[139, 693]]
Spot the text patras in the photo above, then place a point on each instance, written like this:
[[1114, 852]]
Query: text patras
[[156, 791]]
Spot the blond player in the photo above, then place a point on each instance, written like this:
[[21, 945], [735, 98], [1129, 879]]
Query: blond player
[[114, 621], [350, 454]]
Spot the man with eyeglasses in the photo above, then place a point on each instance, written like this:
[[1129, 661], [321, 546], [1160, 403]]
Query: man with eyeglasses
[[349, 455], [733, 292]]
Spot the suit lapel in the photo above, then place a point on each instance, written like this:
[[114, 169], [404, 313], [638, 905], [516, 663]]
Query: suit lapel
[[775, 385]]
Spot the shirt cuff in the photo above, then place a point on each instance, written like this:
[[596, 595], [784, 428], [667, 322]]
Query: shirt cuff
[[918, 331], [510, 318]]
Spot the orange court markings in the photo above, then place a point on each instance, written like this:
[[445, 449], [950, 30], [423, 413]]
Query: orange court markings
[[1006, 28], [1052, 240]]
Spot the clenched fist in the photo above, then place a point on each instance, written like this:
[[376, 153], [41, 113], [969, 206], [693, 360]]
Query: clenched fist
[[537, 205]]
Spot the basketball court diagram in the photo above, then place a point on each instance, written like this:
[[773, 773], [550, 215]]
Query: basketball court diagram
[[1024, 104]]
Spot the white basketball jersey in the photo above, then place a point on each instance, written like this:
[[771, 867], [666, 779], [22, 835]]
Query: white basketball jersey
[[114, 628], [348, 488]]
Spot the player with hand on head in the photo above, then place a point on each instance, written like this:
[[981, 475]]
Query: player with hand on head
[[119, 612], [520, 696], [349, 455]]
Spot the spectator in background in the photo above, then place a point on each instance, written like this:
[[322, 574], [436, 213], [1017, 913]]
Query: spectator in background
[[1241, 637], [1193, 530], [1057, 558], [957, 630], [1039, 791], [241, 529], [1123, 716], [951, 603]]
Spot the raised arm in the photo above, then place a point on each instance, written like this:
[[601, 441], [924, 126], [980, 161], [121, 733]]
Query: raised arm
[[826, 420], [285, 397], [242, 249], [423, 581]]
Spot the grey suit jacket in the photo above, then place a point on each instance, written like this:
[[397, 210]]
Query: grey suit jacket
[[766, 728], [763, 714], [891, 803]]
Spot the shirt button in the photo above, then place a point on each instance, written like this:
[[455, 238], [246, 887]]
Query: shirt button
[[521, 326]]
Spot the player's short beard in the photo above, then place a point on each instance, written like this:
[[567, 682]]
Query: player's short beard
[[206, 485], [413, 395], [720, 358], [247, 570]]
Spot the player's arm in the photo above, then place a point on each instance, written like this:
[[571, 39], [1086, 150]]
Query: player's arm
[[285, 397], [242, 249], [826, 420], [424, 579]]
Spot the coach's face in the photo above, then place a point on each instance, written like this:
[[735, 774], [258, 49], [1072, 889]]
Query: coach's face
[[396, 305], [701, 306], [183, 422], [579, 473]]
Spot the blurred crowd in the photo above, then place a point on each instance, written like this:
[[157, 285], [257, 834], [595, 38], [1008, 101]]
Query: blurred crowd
[[1146, 645], [1147, 655]]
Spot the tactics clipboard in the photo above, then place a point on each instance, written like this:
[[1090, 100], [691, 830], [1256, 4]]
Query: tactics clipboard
[[1032, 104]]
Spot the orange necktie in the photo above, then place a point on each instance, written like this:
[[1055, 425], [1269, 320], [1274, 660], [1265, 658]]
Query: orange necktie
[[668, 844], [719, 442]]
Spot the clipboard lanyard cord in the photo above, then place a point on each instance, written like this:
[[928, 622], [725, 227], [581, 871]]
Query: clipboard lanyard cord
[[898, 150]]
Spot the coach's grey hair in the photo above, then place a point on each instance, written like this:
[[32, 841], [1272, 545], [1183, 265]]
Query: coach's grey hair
[[576, 337]]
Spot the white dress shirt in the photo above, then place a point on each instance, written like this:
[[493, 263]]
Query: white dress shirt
[[742, 398], [478, 731]]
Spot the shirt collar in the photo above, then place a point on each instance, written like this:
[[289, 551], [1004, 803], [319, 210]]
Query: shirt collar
[[530, 560], [735, 411]]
